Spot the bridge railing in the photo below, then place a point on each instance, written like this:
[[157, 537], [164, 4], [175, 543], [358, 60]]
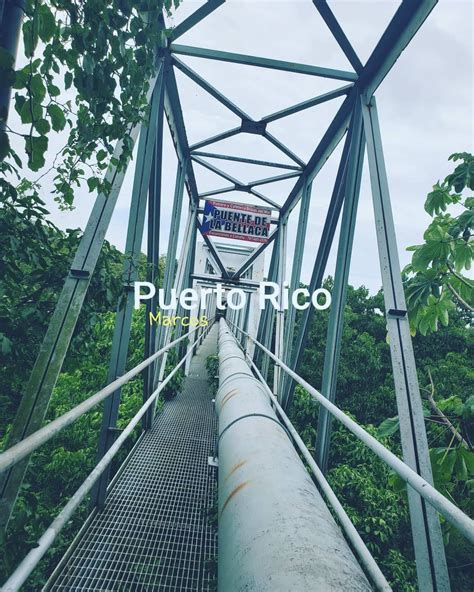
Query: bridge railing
[[16, 453], [450, 511]]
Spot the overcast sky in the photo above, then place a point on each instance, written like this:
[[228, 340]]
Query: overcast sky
[[425, 107]]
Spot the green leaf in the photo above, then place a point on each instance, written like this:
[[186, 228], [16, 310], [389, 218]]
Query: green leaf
[[468, 458], [388, 427], [30, 36], [46, 24], [58, 119], [37, 87], [462, 255], [463, 175], [67, 80], [31, 111], [438, 200], [466, 219], [36, 147], [92, 183], [42, 125], [460, 468], [4, 145], [53, 90]]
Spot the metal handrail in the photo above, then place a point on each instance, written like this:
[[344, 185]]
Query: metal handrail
[[451, 512], [22, 572], [18, 451]]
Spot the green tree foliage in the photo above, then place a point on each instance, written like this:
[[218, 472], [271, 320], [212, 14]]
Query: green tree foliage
[[88, 69], [374, 499], [35, 261], [437, 282]]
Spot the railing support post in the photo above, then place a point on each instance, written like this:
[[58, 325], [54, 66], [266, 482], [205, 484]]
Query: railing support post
[[427, 538]]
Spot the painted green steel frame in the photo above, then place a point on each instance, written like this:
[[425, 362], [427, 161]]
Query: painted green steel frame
[[427, 538], [278, 165], [319, 267], [153, 259], [338, 33], [336, 315], [238, 58], [123, 320]]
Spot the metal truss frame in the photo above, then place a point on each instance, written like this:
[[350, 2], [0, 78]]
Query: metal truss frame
[[357, 120]]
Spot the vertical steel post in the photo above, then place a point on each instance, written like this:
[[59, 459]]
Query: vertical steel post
[[336, 315], [123, 321], [280, 313], [179, 283], [245, 326], [319, 266], [265, 314], [153, 257], [427, 538], [170, 268], [295, 278]]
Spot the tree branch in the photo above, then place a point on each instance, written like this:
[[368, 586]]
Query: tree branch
[[441, 415], [459, 277], [461, 301]]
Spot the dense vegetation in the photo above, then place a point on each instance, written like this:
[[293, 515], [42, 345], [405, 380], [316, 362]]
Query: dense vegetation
[[374, 499], [115, 41]]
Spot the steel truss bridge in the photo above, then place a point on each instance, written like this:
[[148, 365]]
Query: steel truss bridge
[[149, 527]]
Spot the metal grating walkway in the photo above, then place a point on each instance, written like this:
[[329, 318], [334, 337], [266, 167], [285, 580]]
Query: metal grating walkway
[[154, 532]]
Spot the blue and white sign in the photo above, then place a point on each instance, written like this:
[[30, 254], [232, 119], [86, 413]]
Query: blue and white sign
[[238, 221]]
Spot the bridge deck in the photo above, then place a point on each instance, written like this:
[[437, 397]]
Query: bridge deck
[[154, 532]]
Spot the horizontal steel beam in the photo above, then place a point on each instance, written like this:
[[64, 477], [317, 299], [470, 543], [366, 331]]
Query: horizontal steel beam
[[237, 58], [217, 138], [266, 163], [229, 282], [273, 179]]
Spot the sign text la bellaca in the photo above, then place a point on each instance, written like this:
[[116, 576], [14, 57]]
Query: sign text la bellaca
[[235, 220]]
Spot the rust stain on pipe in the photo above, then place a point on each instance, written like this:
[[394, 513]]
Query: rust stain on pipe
[[229, 396], [235, 467], [233, 493]]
